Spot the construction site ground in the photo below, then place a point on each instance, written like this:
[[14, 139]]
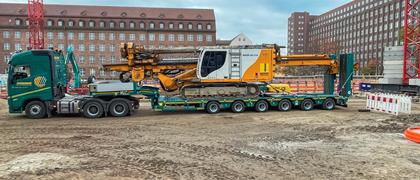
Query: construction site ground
[[319, 144]]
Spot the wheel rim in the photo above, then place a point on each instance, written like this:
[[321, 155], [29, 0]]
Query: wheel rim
[[307, 105], [213, 108], [35, 109], [262, 106], [238, 107], [285, 106], [93, 110], [119, 109], [330, 105]]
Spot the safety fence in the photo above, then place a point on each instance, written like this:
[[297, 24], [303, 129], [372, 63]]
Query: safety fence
[[389, 103]]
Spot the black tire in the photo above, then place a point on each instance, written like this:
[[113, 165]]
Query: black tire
[[213, 107], [329, 104], [307, 105], [238, 107], [285, 105], [119, 108], [261, 106], [92, 110], [35, 110]]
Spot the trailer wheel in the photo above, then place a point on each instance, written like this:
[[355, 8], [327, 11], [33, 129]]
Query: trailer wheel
[[92, 110], [35, 110], [119, 108], [213, 107], [329, 104], [307, 105], [238, 107], [285, 105], [261, 106]]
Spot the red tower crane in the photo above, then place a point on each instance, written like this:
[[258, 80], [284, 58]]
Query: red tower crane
[[411, 61], [36, 24]]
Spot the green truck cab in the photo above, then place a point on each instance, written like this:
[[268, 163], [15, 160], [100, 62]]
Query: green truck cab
[[36, 78]]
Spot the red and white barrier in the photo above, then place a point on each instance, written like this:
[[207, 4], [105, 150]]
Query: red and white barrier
[[389, 103]]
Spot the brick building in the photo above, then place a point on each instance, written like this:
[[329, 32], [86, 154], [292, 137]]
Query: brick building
[[363, 27], [95, 32]]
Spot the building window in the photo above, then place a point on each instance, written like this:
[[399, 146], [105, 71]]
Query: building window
[[190, 37], [92, 48], [82, 72], [151, 47], [122, 24], [122, 37], [209, 38], [101, 48], [91, 36], [161, 37], [112, 59], [101, 36], [71, 23], [102, 59], [152, 25], [49, 23], [6, 46], [132, 25], [61, 46], [171, 37], [60, 35], [18, 22], [171, 25], [17, 35], [91, 59], [111, 36], [50, 35], [6, 34], [81, 47], [142, 25], [162, 25], [81, 60], [18, 47], [81, 36], [112, 48], [200, 27], [190, 26], [60, 23], [151, 37], [180, 37], [49, 46], [180, 26], [81, 23], [200, 37], [112, 25], [209, 27], [92, 72], [132, 37], [102, 24], [6, 59], [102, 73], [92, 24], [142, 37], [70, 36]]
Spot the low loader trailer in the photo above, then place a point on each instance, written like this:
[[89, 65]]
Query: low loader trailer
[[37, 86]]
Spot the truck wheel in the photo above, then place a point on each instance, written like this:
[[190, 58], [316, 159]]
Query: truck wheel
[[261, 106], [119, 108], [329, 104], [307, 105], [93, 110], [35, 110], [213, 107], [285, 105], [238, 107]]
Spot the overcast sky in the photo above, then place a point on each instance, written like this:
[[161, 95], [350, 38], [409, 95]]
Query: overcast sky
[[263, 21]]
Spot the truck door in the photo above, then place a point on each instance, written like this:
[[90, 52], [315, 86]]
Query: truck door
[[29, 78]]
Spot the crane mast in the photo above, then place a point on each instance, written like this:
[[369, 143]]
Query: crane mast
[[36, 24]]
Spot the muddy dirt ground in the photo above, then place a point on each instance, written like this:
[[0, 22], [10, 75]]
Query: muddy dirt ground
[[338, 144]]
